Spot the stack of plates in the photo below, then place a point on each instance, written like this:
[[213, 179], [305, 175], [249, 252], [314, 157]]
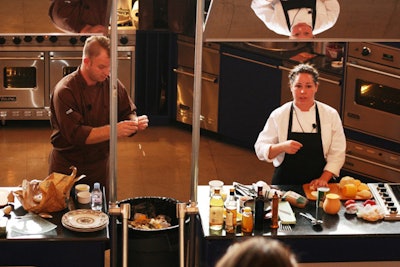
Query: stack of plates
[[84, 220]]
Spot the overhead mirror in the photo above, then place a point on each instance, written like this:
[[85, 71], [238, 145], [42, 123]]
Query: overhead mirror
[[285, 20], [61, 16]]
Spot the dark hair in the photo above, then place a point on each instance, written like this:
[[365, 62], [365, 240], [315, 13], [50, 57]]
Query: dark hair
[[94, 44], [303, 68], [258, 252]]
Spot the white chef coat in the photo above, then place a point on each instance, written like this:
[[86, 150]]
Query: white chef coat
[[271, 13], [332, 134]]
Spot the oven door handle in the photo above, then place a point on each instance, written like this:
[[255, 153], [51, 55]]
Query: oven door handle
[[373, 163], [22, 58], [80, 58], [181, 71], [372, 70]]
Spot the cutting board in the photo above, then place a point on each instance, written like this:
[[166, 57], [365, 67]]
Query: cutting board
[[334, 188], [285, 213]]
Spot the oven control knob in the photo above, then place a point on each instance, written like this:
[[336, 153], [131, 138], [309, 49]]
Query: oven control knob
[[83, 38], [393, 210], [16, 40], [28, 39], [2, 40], [53, 39], [366, 51], [383, 190], [390, 204], [73, 40], [39, 39], [123, 40]]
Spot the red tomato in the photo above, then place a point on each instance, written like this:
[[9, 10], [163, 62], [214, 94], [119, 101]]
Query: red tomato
[[348, 202], [369, 201]]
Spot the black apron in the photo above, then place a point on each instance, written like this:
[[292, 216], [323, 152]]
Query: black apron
[[308, 163], [296, 4]]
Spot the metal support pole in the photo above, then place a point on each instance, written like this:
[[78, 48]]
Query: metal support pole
[[192, 259], [182, 209], [113, 130], [125, 211]]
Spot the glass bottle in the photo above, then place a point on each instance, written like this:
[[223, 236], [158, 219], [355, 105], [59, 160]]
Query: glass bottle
[[216, 217], [231, 212], [275, 206], [97, 197], [247, 220], [259, 210]]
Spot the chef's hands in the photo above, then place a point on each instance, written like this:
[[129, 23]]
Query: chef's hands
[[318, 183], [291, 146], [129, 127]]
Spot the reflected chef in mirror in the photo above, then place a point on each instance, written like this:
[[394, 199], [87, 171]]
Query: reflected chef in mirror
[[298, 19], [80, 16]]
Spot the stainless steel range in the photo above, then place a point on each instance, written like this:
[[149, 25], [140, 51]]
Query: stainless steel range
[[31, 65], [387, 195]]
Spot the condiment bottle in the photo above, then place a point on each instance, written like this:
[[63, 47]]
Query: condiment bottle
[[231, 212], [216, 217], [274, 219], [97, 197], [247, 220], [259, 210]]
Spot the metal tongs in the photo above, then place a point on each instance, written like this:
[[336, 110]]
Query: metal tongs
[[244, 190], [311, 218]]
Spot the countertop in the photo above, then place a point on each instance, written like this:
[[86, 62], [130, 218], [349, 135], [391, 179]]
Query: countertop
[[341, 224], [341, 237]]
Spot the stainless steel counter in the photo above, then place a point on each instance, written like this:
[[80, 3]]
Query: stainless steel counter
[[341, 237]]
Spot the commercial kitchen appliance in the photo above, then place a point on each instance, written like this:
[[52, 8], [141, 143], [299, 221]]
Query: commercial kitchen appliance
[[371, 112], [210, 83], [31, 65]]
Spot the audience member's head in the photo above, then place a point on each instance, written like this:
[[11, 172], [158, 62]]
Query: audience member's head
[[258, 252]]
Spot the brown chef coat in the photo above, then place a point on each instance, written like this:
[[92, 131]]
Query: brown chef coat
[[76, 108]]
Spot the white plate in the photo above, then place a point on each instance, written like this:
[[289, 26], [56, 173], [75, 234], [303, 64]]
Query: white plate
[[84, 220]]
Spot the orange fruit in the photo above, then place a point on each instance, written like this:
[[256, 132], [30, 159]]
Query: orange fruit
[[349, 190]]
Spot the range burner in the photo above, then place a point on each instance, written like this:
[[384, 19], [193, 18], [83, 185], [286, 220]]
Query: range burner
[[387, 195]]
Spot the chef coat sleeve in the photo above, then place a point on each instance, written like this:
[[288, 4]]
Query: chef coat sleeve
[[274, 132], [126, 107], [334, 144], [69, 118], [327, 15]]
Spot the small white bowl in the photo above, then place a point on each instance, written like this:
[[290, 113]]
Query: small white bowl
[[82, 188], [84, 197]]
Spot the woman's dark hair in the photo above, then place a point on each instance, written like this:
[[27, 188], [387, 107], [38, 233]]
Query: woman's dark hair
[[303, 68]]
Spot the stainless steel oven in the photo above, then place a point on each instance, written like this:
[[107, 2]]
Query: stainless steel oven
[[65, 62], [372, 91], [22, 84], [372, 111], [209, 84]]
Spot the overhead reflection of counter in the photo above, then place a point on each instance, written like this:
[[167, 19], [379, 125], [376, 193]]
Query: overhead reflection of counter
[[341, 238]]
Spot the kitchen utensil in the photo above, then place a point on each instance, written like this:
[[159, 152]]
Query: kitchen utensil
[[284, 227], [311, 218], [244, 190]]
